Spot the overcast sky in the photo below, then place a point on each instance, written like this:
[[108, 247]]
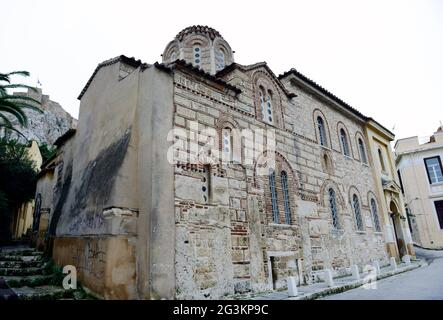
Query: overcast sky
[[384, 58]]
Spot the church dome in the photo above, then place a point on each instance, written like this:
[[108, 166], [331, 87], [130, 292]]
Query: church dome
[[202, 46]]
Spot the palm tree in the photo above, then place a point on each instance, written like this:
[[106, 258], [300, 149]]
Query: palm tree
[[15, 105]]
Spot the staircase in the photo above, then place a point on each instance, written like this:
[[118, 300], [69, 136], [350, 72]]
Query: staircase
[[26, 275]]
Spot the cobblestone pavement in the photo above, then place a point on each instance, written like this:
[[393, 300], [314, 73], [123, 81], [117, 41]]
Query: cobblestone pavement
[[425, 283]]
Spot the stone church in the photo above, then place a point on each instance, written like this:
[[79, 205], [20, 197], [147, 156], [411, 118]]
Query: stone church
[[130, 201]]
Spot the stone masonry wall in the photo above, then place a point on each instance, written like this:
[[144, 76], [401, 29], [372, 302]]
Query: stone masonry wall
[[226, 239]]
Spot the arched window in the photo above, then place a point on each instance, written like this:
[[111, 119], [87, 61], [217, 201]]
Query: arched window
[[262, 103], [361, 146], [322, 131], [375, 216], [333, 206], [227, 144], [382, 162], [344, 142], [219, 59], [173, 56], [269, 117], [357, 212], [273, 197], [197, 55], [284, 186]]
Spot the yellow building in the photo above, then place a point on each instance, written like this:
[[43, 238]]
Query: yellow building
[[420, 167], [391, 204], [22, 219]]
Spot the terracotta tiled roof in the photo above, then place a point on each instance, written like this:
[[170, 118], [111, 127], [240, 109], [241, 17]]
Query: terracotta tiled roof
[[234, 66], [129, 61], [212, 33], [329, 95], [198, 71], [65, 137]]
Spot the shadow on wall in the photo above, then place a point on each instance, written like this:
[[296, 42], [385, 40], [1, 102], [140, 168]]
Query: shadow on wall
[[94, 190]]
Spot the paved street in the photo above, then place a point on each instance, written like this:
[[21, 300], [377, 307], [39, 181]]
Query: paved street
[[423, 284]]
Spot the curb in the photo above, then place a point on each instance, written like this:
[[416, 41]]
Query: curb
[[354, 284]]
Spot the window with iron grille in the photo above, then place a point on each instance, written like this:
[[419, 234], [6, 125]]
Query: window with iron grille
[[333, 206], [284, 186], [322, 131], [344, 142], [273, 197], [357, 212], [375, 216]]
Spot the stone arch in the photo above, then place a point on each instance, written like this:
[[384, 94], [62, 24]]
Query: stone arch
[[262, 183], [354, 191], [221, 44], [263, 81], [172, 47], [318, 113], [326, 161], [328, 183], [279, 158], [341, 125], [371, 195], [194, 39], [394, 206], [228, 122]]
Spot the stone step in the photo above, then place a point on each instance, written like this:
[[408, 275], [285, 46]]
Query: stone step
[[21, 271], [47, 292], [24, 252], [21, 258], [29, 281], [21, 264]]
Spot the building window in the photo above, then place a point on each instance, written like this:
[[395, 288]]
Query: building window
[[382, 162], [333, 206], [439, 210], [227, 144], [273, 197], [206, 183], [322, 131], [361, 146], [357, 212], [284, 186], [433, 168], [401, 182], [173, 56], [408, 215], [262, 103], [219, 59], [197, 55], [344, 142], [375, 216]]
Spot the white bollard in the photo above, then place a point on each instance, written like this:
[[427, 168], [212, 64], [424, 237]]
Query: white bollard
[[328, 278], [292, 286], [355, 272], [393, 263], [376, 265], [406, 259]]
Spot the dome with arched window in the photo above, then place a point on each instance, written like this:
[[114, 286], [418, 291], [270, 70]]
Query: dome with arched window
[[202, 46]]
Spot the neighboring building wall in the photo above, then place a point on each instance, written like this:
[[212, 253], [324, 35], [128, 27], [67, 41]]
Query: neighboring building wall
[[421, 195], [23, 217], [398, 242]]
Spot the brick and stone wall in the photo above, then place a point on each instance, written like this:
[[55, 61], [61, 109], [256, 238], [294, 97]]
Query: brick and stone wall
[[226, 239]]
